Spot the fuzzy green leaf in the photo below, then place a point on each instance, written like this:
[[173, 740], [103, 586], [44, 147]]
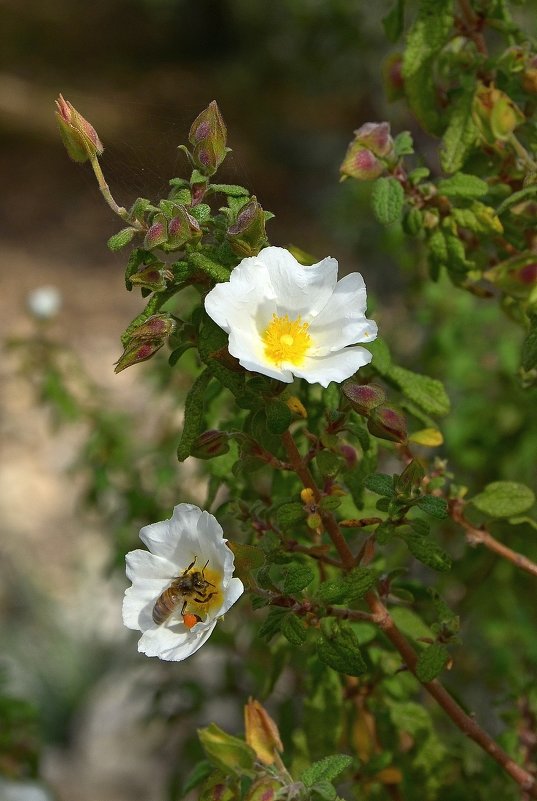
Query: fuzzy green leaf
[[233, 190], [388, 199], [428, 552], [279, 417], [529, 347], [288, 514], [122, 238], [381, 484], [216, 271], [297, 578], [293, 630], [193, 422], [433, 506], [431, 662], [461, 133], [504, 499], [463, 185], [326, 769], [340, 650], [428, 393], [426, 38], [394, 21], [272, 624], [381, 356]]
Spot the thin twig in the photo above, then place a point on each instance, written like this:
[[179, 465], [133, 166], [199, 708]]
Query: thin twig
[[480, 536]]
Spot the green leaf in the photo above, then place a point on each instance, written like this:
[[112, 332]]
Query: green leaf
[[193, 421], [461, 133], [403, 145], [529, 347], [381, 484], [359, 581], [504, 499], [328, 463], [279, 417], [381, 356], [297, 578], [293, 630], [326, 769], [198, 774], [409, 717], [388, 199], [463, 185], [227, 753], [340, 650], [428, 552], [433, 506], [217, 272], [288, 514], [428, 393], [517, 197], [122, 238], [431, 662], [394, 21], [273, 623], [324, 791], [333, 591], [426, 38], [136, 259], [409, 623], [233, 190]]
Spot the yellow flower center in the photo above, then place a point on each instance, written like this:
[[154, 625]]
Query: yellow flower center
[[286, 340]]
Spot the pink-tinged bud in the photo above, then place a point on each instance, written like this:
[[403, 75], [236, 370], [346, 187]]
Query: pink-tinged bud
[[158, 325], [388, 423], [265, 789], [79, 137], [261, 732], [157, 233], [364, 397], [208, 136], [152, 276], [361, 164], [528, 274], [137, 352], [375, 136], [349, 454], [182, 228], [247, 235], [210, 444]]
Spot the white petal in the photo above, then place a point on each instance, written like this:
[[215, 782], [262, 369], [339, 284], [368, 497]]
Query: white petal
[[300, 291], [175, 539], [334, 366], [142, 564], [172, 645], [233, 592], [248, 349], [247, 296], [342, 321], [139, 601]]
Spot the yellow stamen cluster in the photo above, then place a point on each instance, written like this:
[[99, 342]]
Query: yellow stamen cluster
[[286, 340]]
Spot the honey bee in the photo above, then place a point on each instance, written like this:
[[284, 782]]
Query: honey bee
[[191, 585]]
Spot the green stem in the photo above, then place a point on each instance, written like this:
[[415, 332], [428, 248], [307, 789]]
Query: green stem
[[105, 191], [523, 154]]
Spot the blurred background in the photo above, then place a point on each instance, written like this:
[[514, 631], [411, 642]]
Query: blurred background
[[293, 79]]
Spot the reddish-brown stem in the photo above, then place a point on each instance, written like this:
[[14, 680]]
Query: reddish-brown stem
[[471, 22], [479, 536], [294, 547], [463, 721], [382, 618], [308, 481]]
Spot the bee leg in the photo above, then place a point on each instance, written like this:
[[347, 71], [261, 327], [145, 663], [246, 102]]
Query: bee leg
[[183, 608], [189, 568]]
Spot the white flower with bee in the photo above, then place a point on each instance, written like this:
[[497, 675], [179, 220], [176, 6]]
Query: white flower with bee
[[181, 585]]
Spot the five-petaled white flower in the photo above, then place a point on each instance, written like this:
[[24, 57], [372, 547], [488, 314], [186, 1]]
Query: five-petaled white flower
[[182, 585], [285, 320]]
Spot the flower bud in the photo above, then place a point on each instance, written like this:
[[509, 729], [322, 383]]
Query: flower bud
[[137, 352], [209, 444], [308, 496], [182, 228], [375, 136], [208, 137], [495, 114], [297, 407], [247, 235], [226, 752], [157, 233], [261, 732], [364, 397], [78, 136], [152, 276], [265, 789], [158, 325], [361, 163], [388, 423]]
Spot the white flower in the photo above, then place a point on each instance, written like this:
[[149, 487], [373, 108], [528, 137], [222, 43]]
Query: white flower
[[184, 582], [287, 320]]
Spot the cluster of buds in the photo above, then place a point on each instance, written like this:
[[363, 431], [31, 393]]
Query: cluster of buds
[[208, 136], [78, 135], [173, 231], [370, 152], [145, 340], [495, 114], [247, 234], [383, 421]]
